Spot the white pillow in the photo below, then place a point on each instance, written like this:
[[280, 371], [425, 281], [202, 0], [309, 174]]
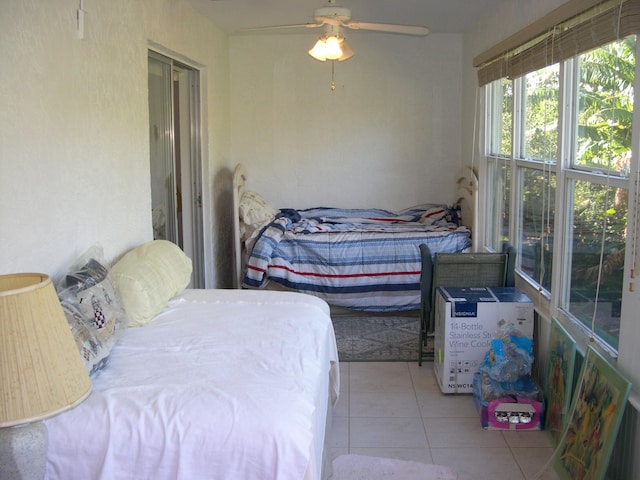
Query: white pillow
[[255, 210], [150, 275]]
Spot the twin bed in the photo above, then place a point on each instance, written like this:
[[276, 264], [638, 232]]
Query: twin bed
[[360, 259], [217, 384]]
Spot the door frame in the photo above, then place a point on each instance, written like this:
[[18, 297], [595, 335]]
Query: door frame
[[186, 135]]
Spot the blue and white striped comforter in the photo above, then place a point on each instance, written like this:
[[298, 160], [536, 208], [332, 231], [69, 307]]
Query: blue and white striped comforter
[[361, 259]]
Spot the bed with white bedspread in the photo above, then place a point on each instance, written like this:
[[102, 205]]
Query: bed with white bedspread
[[220, 384]]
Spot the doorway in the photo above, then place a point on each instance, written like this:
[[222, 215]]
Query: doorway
[[175, 158]]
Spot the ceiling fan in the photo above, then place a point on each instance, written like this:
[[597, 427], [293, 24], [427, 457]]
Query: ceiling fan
[[334, 15], [332, 44]]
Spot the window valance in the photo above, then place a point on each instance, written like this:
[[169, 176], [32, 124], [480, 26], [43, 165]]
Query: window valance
[[574, 28]]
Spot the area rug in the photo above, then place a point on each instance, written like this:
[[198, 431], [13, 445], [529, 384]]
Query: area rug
[[377, 338], [361, 467]]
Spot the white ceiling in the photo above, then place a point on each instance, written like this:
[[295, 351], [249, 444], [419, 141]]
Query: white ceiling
[[440, 16]]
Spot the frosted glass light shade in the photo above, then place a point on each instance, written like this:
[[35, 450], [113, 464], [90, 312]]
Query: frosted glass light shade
[[331, 48], [41, 373]]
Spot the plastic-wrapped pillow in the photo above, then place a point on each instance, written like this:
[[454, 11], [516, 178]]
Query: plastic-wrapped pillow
[[91, 346], [93, 308], [148, 276]]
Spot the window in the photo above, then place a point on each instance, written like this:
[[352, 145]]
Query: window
[[605, 107], [597, 186], [537, 174], [598, 229], [535, 229], [558, 186], [540, 115], [501, 108], [499, 138], [498, 213]]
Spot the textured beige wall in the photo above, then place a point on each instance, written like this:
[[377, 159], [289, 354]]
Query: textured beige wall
[[74, 154], [387, 137]]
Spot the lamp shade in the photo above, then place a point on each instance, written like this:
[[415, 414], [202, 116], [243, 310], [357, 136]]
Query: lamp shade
[[41, 372]]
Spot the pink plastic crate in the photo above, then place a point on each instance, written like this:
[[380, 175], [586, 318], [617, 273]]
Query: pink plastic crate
[[510, 412]]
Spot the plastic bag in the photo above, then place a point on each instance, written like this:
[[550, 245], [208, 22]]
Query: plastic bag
[[510, 356], [93, 308], [490, 389]]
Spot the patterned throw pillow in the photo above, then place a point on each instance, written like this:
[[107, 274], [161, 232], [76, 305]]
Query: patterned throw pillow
[[93, 351], [93, 309]]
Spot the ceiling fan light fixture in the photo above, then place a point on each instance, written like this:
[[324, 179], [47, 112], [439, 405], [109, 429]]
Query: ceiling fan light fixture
[[347, 53], [331, 47], [326, 48]]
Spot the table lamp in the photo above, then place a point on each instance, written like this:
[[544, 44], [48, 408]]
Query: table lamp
[[41, 372]]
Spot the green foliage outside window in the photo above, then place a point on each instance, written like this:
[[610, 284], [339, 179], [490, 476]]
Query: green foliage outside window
[[601, 130], [606, 107], [541, 114]]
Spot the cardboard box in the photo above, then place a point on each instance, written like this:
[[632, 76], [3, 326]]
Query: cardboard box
[[466, 320]]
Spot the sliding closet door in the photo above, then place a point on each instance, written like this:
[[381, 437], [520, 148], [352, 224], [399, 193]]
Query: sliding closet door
[[175, 159], [163, 179]]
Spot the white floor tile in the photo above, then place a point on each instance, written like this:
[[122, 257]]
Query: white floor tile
[[479, 463], [527, 438], [380, 377], [386, 433], [396, 410], [460, 433], [423, 377], [340, 432], [533, 461], [422, 455], [384, 404], [439, 405]]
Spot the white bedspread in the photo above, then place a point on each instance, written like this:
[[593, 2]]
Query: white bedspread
[[223, 384]]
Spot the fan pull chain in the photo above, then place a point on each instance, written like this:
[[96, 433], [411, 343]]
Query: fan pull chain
[[333, 70]]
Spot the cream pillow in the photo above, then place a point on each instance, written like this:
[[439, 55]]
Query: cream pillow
[[150, 275], [255, 210]]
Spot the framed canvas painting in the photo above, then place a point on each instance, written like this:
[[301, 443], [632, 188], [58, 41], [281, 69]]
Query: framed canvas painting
[[559, 380], [596, 412]]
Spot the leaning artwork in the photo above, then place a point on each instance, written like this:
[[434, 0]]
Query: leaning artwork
[[560, 368], [596, 412]]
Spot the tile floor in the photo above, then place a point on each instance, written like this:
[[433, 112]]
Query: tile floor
[[395, 409]]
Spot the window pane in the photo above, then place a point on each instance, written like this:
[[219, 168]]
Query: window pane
[[501, 117], [499, 195], [597, 207], [605, 99], [540, 130], [536, 224]]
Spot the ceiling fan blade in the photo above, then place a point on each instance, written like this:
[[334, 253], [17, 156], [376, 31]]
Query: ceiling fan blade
[[417, 30], [276, 27]]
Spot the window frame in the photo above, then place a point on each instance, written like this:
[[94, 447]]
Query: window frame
[[556, 300]]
